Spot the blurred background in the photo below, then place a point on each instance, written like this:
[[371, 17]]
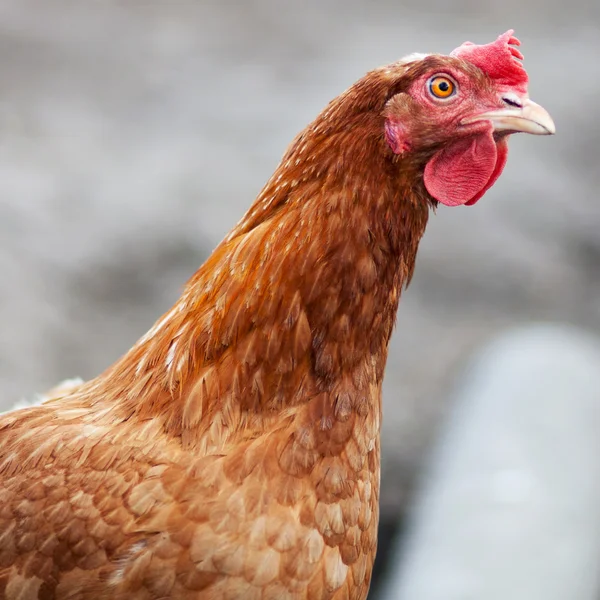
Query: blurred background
[[134, 134]]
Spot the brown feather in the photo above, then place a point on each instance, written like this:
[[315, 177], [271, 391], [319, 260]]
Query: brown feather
[[234, 450]]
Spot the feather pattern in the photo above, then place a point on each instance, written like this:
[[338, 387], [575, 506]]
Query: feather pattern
[[234, 450]]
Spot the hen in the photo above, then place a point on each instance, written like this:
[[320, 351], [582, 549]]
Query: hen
[[234, 451]]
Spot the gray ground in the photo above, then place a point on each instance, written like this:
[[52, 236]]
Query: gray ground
[[508, 502], [117, 121]]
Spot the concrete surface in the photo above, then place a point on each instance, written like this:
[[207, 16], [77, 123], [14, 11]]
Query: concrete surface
[[510, 502]]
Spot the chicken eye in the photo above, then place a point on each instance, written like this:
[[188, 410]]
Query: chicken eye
[[441, 86]]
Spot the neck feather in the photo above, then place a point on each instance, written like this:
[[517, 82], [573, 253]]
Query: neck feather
[[298, 302]]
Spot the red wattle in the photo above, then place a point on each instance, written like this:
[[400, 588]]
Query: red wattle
[[462, 172], [502, 156]]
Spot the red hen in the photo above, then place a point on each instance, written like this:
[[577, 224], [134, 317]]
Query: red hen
[[233, 452]]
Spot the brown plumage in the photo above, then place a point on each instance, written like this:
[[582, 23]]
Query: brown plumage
[[233, 452]]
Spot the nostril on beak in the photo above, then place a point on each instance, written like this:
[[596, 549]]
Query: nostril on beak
[[512, 101]]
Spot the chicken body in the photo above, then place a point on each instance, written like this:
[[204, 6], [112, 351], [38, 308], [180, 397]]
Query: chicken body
[[234, 451]]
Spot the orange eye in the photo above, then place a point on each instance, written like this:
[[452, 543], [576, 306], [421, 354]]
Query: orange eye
[[441, 86]]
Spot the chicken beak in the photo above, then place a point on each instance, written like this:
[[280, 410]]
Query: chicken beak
[[528, 118]]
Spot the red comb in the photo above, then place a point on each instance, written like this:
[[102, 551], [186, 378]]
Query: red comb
[[500, 60]]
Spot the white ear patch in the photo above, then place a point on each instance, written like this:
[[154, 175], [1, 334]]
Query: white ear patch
[[414, 57], [405, 60]]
